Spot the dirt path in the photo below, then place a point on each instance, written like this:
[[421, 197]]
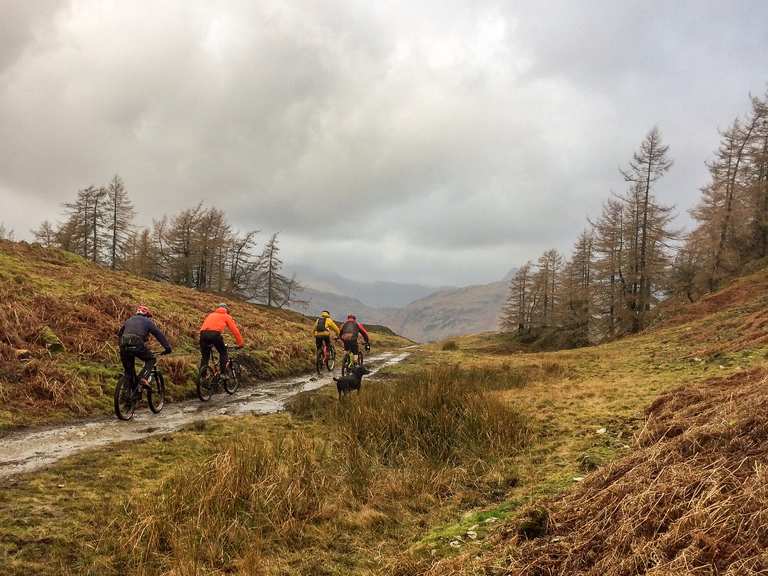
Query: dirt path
[[30, 450]]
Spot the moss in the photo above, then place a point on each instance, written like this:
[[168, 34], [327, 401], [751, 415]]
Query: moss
[[50, 340]]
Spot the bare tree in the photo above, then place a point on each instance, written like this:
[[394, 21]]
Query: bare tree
[[46, 235]]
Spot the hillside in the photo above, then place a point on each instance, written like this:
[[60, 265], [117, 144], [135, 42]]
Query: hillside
[[641, 456], [58, 319], [441, 314]]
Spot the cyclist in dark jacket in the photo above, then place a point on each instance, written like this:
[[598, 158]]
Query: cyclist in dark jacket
[[133, 336]]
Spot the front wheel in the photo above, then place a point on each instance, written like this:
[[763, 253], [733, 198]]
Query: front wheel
[[205, 383], [232, 383], [125, 403], [156, 393]]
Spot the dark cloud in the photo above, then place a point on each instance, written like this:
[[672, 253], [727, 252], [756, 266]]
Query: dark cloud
[[430, 141]]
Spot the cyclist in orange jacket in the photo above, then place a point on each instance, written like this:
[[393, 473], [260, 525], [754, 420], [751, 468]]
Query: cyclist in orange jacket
[[211, 336]]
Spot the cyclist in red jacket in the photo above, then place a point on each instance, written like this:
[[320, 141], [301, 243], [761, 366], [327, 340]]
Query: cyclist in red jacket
[[350, 330]]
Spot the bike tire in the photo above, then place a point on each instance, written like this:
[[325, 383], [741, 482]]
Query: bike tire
[[156, 393], [232, 383], [205, 383], [319, 361], [125, 404], [346, 364], [330, 363]]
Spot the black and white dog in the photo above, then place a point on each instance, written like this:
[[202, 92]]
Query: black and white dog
[[353, 380]]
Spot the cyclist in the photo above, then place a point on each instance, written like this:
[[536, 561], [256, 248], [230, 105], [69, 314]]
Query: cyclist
[[323, 328], [132, 337], [350, 330], [211, 336]]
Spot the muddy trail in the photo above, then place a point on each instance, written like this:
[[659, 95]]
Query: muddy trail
[[30, 450]]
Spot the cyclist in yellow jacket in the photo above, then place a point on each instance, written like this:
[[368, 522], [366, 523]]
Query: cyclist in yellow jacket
[[323, 328]]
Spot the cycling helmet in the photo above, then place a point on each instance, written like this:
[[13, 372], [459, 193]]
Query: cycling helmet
[[224, 305], [325, 314], [143, 311], [351, 317]]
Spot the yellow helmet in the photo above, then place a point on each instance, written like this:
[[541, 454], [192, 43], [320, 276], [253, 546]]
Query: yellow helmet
[[325, 314]]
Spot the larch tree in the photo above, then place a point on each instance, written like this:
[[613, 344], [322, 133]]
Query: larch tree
[[648, 165], [119, 219]]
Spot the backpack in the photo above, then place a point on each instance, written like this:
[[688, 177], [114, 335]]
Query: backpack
[[349, 331], [131, 342], [320, 326]]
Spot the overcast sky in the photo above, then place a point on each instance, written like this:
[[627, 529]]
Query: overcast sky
[[437, 141]]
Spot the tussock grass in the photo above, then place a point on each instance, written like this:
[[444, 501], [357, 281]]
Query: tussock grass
[[441, 415], [399, 449]]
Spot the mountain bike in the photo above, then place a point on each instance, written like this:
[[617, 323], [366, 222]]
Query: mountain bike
[[126, 399], [326, 356], [348, 361], [209, 377]]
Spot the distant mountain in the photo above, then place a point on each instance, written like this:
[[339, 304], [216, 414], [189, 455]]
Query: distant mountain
[[437, 315], [452, 312], [378, 294]]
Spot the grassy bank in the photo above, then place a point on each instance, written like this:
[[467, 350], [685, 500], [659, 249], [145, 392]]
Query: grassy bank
[[59, 315]]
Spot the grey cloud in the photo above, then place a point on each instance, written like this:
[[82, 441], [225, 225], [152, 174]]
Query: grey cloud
[[426, 131]]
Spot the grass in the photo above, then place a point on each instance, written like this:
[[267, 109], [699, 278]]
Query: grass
[[281, 494], [58, 320], [456, 462]]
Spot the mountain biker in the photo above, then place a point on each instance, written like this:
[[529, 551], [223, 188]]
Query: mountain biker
[[211, 336], [132, 337], [323, 328], [350, 330]]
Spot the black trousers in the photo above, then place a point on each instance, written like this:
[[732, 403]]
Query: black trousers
[[319, 342], [128, 358], [212, 339], [351, 346]]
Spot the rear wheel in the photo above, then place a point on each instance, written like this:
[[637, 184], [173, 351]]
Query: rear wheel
[[330, 363], [205, 383], [156, 393], [232, 383], [319, 361], [346, 363], [125, 403]]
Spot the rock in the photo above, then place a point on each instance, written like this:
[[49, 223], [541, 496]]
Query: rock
[[455, 544], [491, 520], [471, 534], [601, 430], [578, 478]]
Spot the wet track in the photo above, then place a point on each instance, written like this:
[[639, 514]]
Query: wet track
[[29, 450]]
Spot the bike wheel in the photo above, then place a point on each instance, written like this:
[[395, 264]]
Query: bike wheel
[[125, 403], [319, 361], [330, 363], [156, 393], [232, 383], [206, 382], [346, 364]]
